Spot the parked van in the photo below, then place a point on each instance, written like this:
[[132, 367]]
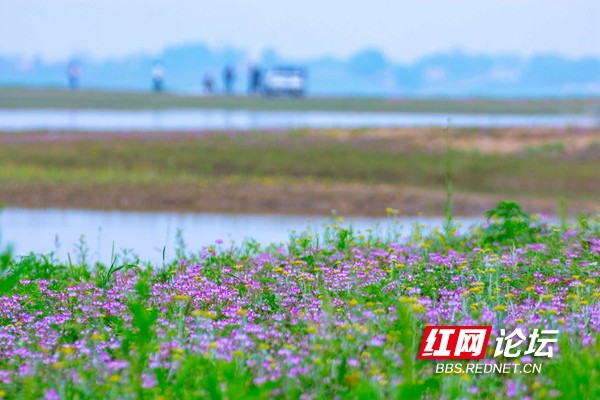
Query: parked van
[[282, 81]]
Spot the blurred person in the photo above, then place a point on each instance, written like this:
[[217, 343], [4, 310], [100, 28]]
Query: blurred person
[[255, 80], [158, 77], [208, 83], [228, 79], [73, 72]]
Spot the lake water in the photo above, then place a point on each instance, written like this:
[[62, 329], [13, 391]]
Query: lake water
[[148, 233], [21, 120]]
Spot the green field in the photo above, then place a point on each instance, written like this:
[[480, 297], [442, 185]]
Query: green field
[[298, 156], [302, 155], [19, 98], [558, 166]]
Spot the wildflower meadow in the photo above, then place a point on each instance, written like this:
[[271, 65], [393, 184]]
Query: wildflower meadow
[[334, 315]]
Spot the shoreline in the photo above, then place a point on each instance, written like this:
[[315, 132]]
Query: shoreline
[[307, 198], [14, 98], [303, 172]]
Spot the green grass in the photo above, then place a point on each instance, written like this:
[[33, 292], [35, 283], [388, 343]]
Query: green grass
[[19, 98], [299, 156]]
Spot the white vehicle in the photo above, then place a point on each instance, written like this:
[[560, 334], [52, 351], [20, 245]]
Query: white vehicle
[[284, 81]]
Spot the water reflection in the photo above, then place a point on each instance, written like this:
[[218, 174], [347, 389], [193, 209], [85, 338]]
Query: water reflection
[[148, 233]]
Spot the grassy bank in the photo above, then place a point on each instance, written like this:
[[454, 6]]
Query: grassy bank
[[336, 316], [352, 171], [20, 98]]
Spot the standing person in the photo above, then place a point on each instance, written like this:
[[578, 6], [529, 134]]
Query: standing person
[[255, 77], [158, 77], [208, 83], [228, 79], [73, 72]]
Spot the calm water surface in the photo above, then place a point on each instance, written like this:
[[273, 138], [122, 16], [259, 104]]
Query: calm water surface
[[20, 120], [148, 233]]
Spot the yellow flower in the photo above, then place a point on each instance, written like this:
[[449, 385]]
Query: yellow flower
[[213, 345], [205, 314], [353, 302], [418, 308], [312, 329], [181, 297], [352, 378], [500, 307], [264, 346], [114, 378], [277, 269], [67, 350], [405, 299], [242, 312]]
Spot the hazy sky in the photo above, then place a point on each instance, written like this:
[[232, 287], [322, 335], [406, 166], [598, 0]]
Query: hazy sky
[[405, 30]]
